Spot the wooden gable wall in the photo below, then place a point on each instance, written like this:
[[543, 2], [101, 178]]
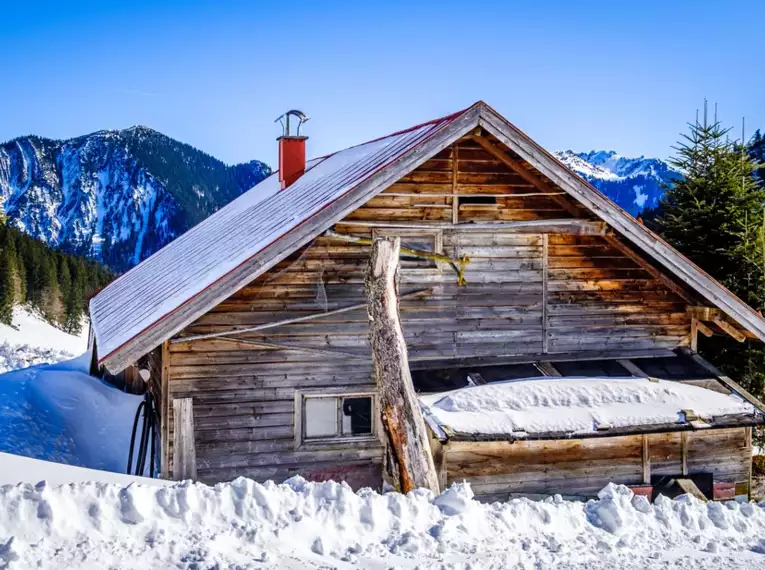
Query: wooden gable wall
[[529, 294]]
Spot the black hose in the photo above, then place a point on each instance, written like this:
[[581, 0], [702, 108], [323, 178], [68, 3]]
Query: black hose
[[132, 437], [148, 442]]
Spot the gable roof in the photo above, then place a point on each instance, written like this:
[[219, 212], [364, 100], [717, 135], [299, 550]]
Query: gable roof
[[185, 279]]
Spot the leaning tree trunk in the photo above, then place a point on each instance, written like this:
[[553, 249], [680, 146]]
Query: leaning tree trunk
[[407, 439]]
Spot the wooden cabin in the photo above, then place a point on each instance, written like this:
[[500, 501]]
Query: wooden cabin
[[254, 324]]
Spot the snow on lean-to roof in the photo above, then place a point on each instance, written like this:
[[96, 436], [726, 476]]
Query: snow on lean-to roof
[[574, 405], [238, 231]]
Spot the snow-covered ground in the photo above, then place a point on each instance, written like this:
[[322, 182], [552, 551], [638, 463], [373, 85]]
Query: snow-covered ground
[[31, 340], [245, 525], [58, 412]]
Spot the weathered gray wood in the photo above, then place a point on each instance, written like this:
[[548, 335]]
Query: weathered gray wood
[[622, 222], [291, 321], [545, 301], [405, 429], [261, 262], [184, 449]]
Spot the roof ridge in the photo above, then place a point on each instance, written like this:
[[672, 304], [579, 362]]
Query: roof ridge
[[448, 117]]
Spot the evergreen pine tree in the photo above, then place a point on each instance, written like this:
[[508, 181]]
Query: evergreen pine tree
[[715, 216], [74, 299], [7, 283]]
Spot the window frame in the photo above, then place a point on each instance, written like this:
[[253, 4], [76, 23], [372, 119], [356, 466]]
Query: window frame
[[303, 442], [403, 233]]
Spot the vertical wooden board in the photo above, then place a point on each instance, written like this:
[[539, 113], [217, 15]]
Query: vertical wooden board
[[545, 320], [646, 461], [164, 407], [184, 451]]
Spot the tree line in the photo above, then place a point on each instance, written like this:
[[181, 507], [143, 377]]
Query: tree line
[[58, 285], [715, 216]]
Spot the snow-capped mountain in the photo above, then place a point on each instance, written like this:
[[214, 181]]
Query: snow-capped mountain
[[633, 183], [115, 196]]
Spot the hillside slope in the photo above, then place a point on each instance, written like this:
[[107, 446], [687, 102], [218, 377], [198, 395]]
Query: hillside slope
[[115, 196]]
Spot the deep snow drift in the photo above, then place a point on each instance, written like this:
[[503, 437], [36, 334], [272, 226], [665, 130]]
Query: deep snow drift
[[59, 413], [31, 340], [326, 525]]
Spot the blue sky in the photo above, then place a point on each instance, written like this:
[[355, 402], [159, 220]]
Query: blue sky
[[581, 75]]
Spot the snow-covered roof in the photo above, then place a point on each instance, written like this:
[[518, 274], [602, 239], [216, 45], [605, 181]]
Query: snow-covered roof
[[230, 237], [169, 290], [544, 407]]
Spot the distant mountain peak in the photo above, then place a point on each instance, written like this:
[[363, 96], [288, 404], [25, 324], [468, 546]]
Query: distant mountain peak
[[116, 196], [635, 183]]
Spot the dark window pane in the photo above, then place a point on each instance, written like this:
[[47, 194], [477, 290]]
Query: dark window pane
[[357, 416], [672, 368], [591, 368]]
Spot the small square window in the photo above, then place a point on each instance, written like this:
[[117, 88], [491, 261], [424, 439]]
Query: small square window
[[336, 417]]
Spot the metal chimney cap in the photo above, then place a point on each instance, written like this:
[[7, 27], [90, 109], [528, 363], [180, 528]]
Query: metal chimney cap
[[284, 119]]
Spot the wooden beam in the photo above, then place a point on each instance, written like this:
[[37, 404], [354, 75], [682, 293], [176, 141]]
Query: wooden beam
[[291, 321], [730, 329], [704, 329], [653, 271], [184, 450], [546, 367], [694, 335], [567, 226], [406, 434], [702, 313], [281, 346], [438, 362], [632, 368], [519, 168]]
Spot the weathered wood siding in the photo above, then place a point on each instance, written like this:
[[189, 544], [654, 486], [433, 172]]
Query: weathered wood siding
[[527, 294], [498, 470]]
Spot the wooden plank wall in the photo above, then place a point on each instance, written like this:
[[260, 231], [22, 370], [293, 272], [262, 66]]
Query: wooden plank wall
[[243, 395], [497, 470]]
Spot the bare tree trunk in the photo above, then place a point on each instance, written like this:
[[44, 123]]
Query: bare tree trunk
[[405, 430]]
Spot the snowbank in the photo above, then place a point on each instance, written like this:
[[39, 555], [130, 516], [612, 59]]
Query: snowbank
[[326, 525], [32, 340], [59, 413], [575, 405], [16, 469]]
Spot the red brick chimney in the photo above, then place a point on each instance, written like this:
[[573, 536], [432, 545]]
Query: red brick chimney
[[291, 149], [291, 159]]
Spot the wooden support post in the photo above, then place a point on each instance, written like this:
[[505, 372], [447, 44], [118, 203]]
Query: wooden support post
[[684, 452], [545, 325], [646, 461], [694, 335], [632, 368], [164, 407], [184, 451], [404, 426]]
